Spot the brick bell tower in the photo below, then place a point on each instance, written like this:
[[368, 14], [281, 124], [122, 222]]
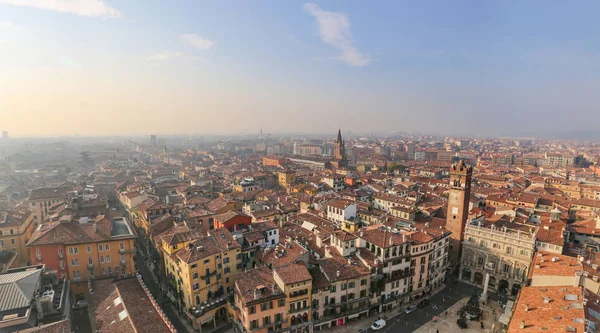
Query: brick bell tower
[[458, 208]]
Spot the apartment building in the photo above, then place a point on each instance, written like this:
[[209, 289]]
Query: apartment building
[[79, 251], [41, 199], [498, 254], [16, 228], [261, 305], [343, 213], [386, 202], [200, 270], [392, 250]]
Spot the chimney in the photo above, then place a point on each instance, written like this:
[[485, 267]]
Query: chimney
[[522, 324], [526, 307], [576, 280], [403, 238], [598, 222], [95, 227], [337, 274], [256, 294], [361, 234]]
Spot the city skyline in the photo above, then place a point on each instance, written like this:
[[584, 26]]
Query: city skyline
[[106, 68]]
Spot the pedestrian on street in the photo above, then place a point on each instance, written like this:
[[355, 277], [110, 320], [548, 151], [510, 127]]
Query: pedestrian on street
[[437, 330]]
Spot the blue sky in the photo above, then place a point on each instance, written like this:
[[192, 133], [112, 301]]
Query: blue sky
[[452, 67]]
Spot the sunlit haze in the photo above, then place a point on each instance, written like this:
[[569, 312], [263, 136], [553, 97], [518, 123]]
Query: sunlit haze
[[130, 67]]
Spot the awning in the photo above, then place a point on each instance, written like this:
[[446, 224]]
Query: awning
[[353, 316]]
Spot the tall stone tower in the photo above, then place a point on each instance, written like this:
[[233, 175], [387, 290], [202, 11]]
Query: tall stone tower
[[338, 150], [458, 208]]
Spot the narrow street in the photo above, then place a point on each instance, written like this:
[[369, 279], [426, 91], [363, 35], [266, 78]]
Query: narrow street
[[154, 288]]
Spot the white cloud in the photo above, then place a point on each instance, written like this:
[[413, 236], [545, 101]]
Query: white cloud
[[196, 41], [334, 29], [165, 56], [92, 8]]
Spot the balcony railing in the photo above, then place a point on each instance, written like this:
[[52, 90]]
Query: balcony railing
[[90, 266], [38, 258], [61, 256], [299, 309], [206, 276], [202, 308]]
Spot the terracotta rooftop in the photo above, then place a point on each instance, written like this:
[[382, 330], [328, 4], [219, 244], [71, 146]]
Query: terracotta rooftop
[[123, 307], [282, 254], [259, 279], [550, 264], [349, 267], [293, 273], [549, 309]]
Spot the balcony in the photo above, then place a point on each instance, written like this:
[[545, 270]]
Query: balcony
[[299, 293], [123, 262], [274, 324], [61, 256], [206, 276], [299, 309], [204, 307], [343, 313], [38, 258], [90, 266]]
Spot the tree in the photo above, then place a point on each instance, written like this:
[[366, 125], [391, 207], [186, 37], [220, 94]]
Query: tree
[[472, 309]]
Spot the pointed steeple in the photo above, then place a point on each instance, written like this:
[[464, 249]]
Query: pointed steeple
[[339, 138]]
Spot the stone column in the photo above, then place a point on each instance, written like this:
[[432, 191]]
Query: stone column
[[485, 287]]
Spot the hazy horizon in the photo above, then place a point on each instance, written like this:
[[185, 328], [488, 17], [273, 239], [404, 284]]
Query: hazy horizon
[[132, 68]]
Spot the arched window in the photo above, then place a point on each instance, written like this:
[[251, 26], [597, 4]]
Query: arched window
[[0, 232], [12, 232]]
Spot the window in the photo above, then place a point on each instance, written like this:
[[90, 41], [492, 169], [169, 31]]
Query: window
[[195, 275], [101, 259], [351, 285], [266, 320], [252, 309], [89, 249], [196, 286], [121, 246], [363, 282], [194, 266], [281, 302], [509, 250], [100, 248], [226, 270], [107, 258], [206, 261], [344, 286], [332, 289], [106, 247], [62, 265], [90, 261], [506, 268], [74, 262], [76, 275], [73, 250], [254, 324], [38, 254], [122, 257], [12, 232], [12, 241], [226, 260]]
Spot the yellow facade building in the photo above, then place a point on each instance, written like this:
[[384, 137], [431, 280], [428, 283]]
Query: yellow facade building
[[16, 227], [200, 270]]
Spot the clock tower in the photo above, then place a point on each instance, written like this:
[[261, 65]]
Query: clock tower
[[458, 208]]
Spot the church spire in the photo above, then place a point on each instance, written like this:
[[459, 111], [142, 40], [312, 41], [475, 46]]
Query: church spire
[[339, 138]]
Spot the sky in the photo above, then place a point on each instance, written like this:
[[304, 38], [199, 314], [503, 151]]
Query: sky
[[139, 67]]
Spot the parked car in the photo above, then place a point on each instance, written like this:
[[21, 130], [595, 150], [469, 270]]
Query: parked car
[[80, 305], [410, 309], [378, 325], [423, 303]]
